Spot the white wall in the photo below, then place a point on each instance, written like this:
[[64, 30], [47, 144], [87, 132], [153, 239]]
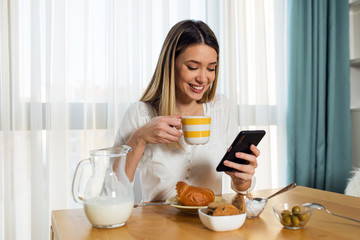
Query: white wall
[[355, 114], [355, 118], [354, 87]]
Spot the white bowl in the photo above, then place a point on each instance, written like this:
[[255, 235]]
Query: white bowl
[[221, 223]]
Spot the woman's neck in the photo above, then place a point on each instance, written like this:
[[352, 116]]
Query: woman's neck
[[193, 109]]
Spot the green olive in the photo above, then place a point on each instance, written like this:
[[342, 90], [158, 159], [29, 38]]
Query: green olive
[[286, 220], [296, 210], [295, 221], [285, 212], [303, 217]]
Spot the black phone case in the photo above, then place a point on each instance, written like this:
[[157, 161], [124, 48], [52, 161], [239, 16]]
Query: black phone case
[[241, 144]]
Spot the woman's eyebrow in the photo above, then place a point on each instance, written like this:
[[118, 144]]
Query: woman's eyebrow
[[197, 62]]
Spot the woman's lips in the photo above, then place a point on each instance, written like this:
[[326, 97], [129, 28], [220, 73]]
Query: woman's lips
[[196, 88]]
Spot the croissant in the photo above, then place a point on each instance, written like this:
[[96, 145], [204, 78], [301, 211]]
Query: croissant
[[189, 195]]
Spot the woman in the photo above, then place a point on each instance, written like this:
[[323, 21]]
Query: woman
[[184, 83]]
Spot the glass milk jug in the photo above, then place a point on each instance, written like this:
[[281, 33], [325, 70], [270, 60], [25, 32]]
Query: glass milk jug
[[107, 196]]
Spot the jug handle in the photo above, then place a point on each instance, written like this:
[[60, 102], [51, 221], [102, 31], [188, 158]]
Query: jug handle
[[78, 195]]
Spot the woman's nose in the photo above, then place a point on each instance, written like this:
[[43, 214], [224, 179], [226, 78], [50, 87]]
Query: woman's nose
[[202, 77]]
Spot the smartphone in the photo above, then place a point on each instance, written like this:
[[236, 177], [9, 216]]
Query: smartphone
[[241, 143]]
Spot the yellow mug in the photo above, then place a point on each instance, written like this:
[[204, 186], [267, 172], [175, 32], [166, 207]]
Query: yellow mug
[[196, 129]]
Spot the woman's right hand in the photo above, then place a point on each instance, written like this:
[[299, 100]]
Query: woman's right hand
[[162, 129]]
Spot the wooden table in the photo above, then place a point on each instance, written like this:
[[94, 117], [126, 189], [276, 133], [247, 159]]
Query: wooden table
[[166, 222]]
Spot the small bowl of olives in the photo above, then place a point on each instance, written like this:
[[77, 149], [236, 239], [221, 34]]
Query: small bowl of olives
[[292, 216]]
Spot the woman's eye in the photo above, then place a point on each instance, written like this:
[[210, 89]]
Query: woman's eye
[[192, 68], [211, 69]]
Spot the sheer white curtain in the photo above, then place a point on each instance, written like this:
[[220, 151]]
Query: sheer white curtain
[[255, 77], [70, 68]]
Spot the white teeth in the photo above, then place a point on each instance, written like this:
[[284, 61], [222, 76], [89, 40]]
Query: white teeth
[[196, 87]]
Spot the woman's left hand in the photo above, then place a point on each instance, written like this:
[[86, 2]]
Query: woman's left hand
[[242, 177]]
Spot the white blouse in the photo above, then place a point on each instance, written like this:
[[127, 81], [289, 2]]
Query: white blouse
[[161, 168]]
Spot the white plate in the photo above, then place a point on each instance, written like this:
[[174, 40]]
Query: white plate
[[191, 209]]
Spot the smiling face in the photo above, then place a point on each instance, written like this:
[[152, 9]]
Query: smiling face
[[194, 72]]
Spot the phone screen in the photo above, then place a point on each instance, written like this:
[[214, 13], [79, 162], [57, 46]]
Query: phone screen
[[241, 143]]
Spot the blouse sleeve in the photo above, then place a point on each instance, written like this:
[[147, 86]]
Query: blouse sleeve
[[230, 119], [127, 126], [136, 116]]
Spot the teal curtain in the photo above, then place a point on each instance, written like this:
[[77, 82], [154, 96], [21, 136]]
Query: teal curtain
[[318, 120]]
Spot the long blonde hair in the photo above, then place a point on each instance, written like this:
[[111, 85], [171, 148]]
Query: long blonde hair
[[160, 92]]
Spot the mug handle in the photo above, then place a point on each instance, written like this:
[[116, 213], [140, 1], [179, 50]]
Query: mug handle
[[78, 175]]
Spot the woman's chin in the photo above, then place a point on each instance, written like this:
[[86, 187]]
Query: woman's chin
[[196, 96]]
